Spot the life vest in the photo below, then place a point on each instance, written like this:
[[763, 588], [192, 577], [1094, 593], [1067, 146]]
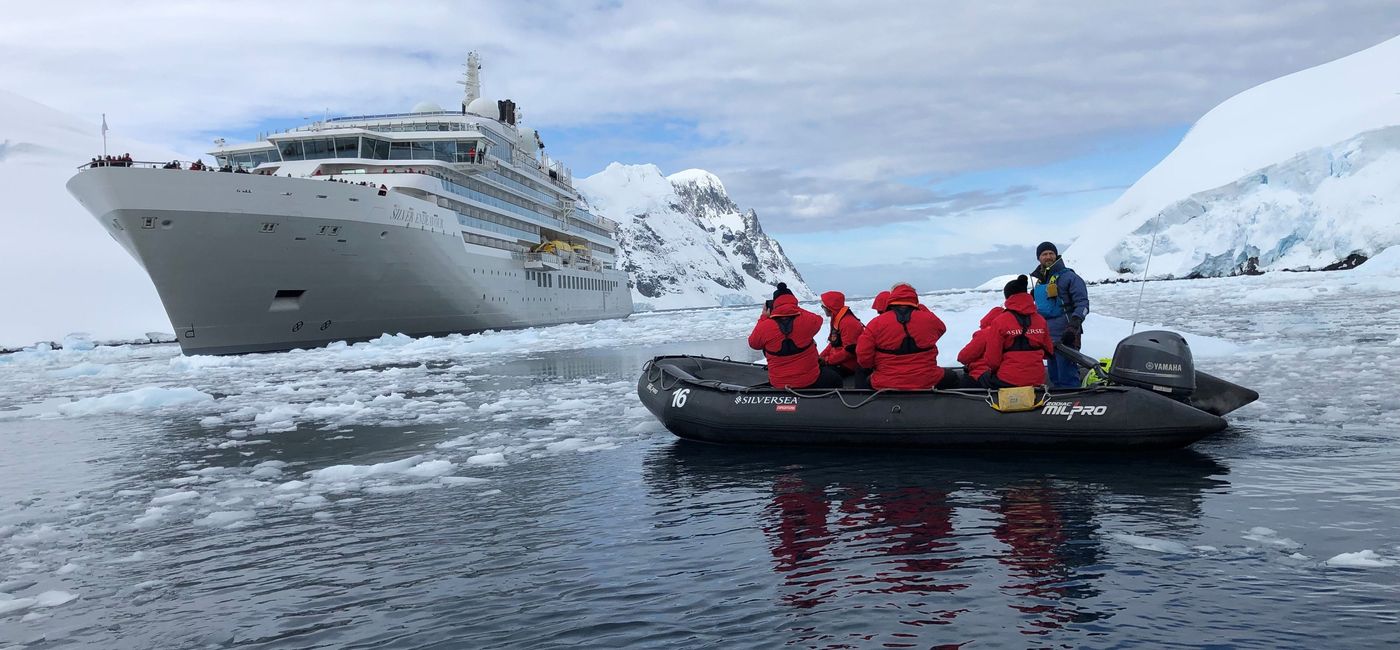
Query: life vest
[[834, 336], [1021, 343], [908, 345], [1048, 295], [789, 347]]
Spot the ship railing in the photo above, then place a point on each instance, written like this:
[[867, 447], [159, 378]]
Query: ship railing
[[540, 261], [184, 165]]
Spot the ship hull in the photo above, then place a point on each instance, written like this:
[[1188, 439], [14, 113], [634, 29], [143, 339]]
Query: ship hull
[[339, 262]]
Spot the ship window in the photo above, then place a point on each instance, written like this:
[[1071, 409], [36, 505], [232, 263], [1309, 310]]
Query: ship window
[[291, 150], [318, 148], [286, 300], [466, 149], [445, 150], [399, 151], [372, 148], [423, 150], [347, 147]]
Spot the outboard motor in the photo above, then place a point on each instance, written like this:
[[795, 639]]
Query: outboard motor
[[1157, 360]]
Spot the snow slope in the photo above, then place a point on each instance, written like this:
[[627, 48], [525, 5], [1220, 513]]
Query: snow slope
[[684, 241], [60, 270], [1292, 171]]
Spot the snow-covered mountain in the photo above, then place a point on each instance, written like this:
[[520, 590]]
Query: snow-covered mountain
[[1297, 173], [684, 241]]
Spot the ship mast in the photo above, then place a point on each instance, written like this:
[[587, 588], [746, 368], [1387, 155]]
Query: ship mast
[[471, 79]]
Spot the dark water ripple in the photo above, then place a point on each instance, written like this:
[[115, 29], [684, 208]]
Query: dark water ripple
[[657, 543]]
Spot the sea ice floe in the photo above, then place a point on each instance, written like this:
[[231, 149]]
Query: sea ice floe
[[1364, 559], [1153, 544]]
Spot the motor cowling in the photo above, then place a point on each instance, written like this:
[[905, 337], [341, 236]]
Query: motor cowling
[[1157, 360]]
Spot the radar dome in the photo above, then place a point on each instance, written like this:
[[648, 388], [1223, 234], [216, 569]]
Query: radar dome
[[484, 107], [426, 107]]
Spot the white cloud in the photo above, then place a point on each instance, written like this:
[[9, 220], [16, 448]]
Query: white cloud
[[824, 90]]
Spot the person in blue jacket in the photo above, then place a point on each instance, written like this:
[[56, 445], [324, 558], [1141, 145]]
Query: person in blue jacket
[[1063, 299]]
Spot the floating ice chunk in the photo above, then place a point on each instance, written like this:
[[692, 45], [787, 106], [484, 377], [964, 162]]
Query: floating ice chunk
[[343, 473], [54, 598], [84, 369], [148, 585], [1366, 559], [16, 605], [79, 342], [310, 501], [430, 468], [184, 480], [146, 398], [224, 518], [1270, 537], [567, 444], [496, 458], [461, 480], [152, 516], [68, 568], [1152, 544], [174, 497], [42, 534], [296, 484]]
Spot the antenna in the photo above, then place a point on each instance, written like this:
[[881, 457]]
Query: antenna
[[471, 78], [1137, 311]]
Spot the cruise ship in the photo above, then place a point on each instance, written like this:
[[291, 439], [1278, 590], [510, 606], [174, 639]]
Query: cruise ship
[[422, 223]]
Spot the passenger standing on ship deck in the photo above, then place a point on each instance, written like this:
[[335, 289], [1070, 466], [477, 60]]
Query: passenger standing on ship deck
[[840, 352], [785, 333], [900, 346], [1063, 299]]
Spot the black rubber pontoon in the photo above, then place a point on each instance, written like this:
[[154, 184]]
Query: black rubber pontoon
[[722, 401]]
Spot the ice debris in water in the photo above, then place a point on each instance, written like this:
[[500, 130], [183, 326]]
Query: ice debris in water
[[1269, 537], [1365, 559], [1152, 544]]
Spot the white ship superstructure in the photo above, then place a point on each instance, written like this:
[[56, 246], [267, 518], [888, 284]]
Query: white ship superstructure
[[429, 222]]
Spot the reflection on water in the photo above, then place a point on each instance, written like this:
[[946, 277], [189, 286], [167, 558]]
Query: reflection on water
[[913, 532]]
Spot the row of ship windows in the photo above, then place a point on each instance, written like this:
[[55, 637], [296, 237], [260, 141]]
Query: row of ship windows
[[570, 281], [497, 198], [548, 280], [458, 151], [492, 242]]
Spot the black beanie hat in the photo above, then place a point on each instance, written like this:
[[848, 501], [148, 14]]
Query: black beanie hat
[[1019, 285], [782, 290], [1046, 246]]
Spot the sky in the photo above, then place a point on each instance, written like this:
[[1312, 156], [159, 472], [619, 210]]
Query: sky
[[936, 142]]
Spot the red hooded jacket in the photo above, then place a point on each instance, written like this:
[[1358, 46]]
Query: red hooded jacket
[[974, 354], [882, 302], [878, 348], [845, 332], [991, 347], [797, 366]]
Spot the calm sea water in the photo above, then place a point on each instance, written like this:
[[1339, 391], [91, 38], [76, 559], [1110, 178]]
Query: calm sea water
[[652, 542]]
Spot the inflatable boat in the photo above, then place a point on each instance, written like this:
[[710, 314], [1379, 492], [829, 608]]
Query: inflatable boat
[[1151, 398]]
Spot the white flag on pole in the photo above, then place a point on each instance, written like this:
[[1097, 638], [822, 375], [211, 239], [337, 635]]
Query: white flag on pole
[[104, 124]]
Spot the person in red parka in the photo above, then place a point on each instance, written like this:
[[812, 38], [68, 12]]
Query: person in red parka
[[882, 302], [900, 346], [840, 352], [785, 333], [1011, 347]]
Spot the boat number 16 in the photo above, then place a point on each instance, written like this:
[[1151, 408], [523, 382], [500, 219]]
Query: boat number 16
[[678, 397]]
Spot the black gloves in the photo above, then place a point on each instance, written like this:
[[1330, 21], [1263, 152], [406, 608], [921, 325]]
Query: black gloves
[[1071, 337]]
